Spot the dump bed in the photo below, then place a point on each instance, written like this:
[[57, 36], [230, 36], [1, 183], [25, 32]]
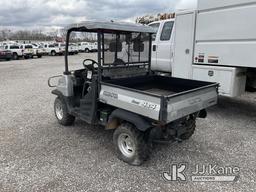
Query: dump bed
[[159, 98]]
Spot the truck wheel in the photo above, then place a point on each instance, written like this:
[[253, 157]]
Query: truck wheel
[[86, 50], [131, 144], [15, 56], [190, 129], [53, 53], [39, 56], [61, 112]]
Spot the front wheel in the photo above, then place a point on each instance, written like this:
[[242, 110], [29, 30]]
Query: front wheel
[[15, 56], [61, 112], [131, 144]]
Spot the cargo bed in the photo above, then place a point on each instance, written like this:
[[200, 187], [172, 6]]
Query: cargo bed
[[158, 97]]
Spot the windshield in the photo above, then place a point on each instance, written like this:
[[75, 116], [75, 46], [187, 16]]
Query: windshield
[[156, 27], [28, 46]]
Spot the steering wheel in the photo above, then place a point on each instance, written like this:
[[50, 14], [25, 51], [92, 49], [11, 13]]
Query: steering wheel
[[89, 66]]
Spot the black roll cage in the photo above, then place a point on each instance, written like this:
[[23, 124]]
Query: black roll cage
[[100, 41]]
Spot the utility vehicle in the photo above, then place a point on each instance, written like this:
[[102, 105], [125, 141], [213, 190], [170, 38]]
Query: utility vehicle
[[120, 92]]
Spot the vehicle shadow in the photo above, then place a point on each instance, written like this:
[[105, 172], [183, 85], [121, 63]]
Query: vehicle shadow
[[236, 107]]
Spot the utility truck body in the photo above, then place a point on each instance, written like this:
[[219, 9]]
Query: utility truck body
[[215, 43]]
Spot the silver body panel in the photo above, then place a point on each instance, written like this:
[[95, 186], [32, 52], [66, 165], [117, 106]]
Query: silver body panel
[[189, 103], [145, 105], [65, 85], [177, 106]]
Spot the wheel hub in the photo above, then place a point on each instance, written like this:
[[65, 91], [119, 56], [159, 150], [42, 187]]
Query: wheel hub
[[59, 111], [126, 145]]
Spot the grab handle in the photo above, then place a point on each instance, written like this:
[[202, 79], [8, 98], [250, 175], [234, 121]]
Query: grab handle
[[49, 80]]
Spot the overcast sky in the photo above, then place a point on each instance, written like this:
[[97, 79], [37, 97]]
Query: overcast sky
[[39, 13]]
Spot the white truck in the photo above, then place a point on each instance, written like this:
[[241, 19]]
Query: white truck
[[214, 43], [17, 52], [73, 49], [39, 50], [87, 47], [28, 50], [54, 48]]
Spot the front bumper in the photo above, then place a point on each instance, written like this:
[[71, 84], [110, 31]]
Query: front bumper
[[6, 56]]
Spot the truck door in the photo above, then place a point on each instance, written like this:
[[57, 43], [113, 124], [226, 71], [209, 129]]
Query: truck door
[[184, 41], [154, 45], [164, 47]]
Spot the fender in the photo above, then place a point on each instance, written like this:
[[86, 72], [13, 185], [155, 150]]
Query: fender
[[68, 100], [57, 92], [141, 123]]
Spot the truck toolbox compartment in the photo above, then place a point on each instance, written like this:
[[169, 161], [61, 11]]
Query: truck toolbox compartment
[[159, 98], [232, 80]]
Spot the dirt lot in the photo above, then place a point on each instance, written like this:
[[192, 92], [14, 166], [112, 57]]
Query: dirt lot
[[37, 154]]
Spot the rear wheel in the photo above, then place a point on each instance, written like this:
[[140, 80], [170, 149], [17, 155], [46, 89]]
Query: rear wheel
[[61, 112], [184, 128], [131, 144], [86, 50], [190, 126]]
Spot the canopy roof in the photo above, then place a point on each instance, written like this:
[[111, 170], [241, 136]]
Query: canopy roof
[[94, 26]]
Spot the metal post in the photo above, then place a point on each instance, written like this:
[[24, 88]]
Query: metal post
[[139, 45], [117, 39], [150, 53], [99, 55], [103, 48], [66, 72]]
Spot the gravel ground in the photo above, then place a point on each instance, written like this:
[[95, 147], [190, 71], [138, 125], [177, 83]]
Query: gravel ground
[[37, 154]]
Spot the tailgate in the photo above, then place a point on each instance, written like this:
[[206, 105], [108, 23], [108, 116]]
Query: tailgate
[[183, 104]]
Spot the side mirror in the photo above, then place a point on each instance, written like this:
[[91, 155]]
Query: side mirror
[[138, 46], [115, 46]]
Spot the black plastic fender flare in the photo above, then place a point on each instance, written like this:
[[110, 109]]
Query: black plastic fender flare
[[140, 122], [68, 100], [57, 92]]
